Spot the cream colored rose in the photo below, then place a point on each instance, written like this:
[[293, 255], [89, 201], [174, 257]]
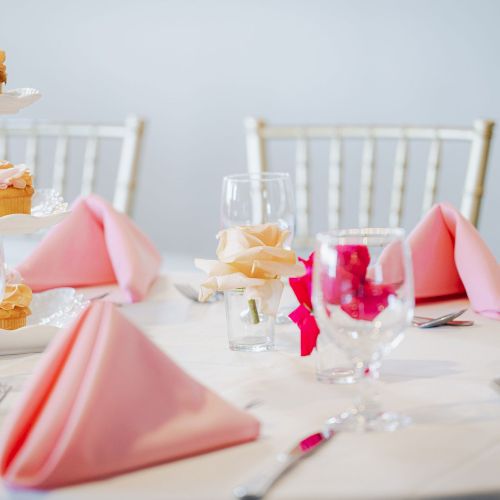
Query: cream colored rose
[[253, 258]]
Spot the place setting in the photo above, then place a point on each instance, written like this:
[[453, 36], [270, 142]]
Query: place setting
[[259, 330]]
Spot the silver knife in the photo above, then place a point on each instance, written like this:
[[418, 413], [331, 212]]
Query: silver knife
[[258, 486]]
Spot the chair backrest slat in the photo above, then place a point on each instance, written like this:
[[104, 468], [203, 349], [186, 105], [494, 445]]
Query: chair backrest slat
[[258, 133], [32, 151], [431, 178], [335, 183], [367, 178], [60, 163], [89, 165], [4, 145], [126, 182], [476, 171], [34, 132], [302, 188], [399, 183], [256, 146], [361, 132]]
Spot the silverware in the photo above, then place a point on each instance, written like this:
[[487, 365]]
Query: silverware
[[442, 320], [192, 294], [420, 319], [257, 487], [4, 390], [253, 403], [100, 297], [103, 296]]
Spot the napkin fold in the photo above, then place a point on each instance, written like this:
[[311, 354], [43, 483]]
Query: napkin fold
[[450, 257], [94, 245], [105, 400]]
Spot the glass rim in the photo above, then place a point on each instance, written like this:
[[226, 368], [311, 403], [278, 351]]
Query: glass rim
[[256, 176], [360, 232]]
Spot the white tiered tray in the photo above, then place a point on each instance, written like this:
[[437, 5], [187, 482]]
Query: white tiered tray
[[50, 311], [49, 209], [11, 101]]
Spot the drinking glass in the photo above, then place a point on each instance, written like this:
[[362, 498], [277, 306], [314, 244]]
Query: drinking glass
[[248, 329], [258, 198], [363, 299]]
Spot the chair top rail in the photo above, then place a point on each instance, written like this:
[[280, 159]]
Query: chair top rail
[[376, 132], [47, 129]]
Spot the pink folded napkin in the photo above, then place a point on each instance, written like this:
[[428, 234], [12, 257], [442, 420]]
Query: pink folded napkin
[[450, 257], [94, 245], [105, 400]]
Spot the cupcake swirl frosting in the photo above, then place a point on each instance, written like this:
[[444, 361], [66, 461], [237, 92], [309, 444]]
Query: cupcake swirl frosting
[[17, 176], [16, 296]]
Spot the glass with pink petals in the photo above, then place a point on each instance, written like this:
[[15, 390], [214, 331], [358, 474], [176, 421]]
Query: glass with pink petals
[[363, 300]]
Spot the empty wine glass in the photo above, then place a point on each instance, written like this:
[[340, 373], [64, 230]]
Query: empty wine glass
[[363, 299]]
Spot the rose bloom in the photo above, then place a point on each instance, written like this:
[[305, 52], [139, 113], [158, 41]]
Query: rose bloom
[[252, 258]]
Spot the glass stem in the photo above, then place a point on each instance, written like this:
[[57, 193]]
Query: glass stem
[[367, 401], [254, 314]]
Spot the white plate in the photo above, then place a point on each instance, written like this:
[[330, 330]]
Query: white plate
[[48, 209], [51, 310], [11, 101]]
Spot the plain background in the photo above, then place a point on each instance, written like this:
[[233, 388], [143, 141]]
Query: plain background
[[195, 69]]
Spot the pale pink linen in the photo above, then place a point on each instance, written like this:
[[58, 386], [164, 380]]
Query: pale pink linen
[[95, 245], [105, 400], [450, 257]]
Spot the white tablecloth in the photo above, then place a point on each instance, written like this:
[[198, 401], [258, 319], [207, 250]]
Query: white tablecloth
[[441, 377]]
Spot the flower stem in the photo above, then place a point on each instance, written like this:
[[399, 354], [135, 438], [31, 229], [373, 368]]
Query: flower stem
[[254, 314]]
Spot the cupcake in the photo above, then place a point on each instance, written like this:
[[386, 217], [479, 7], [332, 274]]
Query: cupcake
[[14, 308], [16, 189]]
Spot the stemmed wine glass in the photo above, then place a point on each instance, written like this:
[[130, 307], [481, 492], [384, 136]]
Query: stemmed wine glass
[[363, 299]]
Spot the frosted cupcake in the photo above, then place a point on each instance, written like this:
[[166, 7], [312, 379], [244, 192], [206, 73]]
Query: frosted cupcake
[[14, 308], [16, 189]]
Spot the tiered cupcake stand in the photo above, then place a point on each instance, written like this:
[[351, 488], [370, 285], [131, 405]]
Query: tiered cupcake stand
[[52, 309]]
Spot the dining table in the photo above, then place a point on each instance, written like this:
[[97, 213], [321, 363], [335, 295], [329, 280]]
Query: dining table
[[443, 378]]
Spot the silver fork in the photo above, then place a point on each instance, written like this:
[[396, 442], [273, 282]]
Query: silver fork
[[190, 292], [453, 322], [441, 320], [4, 390], [103, 296]]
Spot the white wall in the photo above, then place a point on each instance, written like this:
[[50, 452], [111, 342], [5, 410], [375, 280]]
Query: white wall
[[195, 69]]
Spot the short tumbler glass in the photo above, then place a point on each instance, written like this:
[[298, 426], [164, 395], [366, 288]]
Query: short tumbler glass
[[248, 328]]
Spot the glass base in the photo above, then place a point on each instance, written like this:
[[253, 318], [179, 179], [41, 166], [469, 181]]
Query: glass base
[[252, 344], [338, 375], [353, 421]]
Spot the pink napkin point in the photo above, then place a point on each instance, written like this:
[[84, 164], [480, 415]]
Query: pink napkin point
[[450, 258], [95, 245], [105, 400]]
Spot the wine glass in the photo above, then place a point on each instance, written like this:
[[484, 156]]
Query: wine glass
[[363, 299], [258, 198]]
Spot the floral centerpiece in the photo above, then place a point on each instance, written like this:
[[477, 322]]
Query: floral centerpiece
[[366, 300], [252, 259]]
